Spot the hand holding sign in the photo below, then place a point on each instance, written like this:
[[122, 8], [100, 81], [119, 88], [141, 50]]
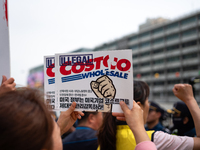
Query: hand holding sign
[[103, 88]]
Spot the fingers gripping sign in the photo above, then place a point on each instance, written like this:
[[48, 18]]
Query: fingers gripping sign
[[67, 118], [103, 88]]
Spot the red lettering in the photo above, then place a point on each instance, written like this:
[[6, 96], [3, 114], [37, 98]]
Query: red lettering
[[105, 61], [122, 65], [63, 70], [113, 67], [98, 62], [75, 70], [125, 61], [49, 71], [89, 67]]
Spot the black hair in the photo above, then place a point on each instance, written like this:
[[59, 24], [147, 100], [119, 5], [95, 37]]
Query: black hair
[[86, 115]]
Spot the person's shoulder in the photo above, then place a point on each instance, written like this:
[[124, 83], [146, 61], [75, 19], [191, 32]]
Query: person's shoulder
[[160, 127], [70, 137], [81, 134]]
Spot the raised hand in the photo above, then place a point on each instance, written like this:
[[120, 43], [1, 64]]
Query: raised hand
[[7, 84], [183, 91]]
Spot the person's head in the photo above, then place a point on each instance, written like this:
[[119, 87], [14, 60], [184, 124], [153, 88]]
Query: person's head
[[155, 113], [26, 122], [182, 118], [91, 119], [107, 132], [141, 94]]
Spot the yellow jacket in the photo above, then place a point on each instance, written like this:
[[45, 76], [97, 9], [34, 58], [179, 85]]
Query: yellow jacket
[[125, 138]]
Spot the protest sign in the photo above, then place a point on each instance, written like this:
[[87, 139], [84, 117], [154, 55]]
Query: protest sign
[[4, 40], [49, 80], [96, 81]]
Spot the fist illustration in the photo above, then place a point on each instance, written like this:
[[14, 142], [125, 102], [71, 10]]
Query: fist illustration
[[103, 88]]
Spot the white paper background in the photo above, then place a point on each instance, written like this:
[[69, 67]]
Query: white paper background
[[124, 87], [49, 88]]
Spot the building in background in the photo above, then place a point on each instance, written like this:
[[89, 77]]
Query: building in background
[[153, 22], [164, 53]]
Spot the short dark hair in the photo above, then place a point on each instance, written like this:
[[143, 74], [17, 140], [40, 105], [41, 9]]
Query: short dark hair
[[140, 91], [26, 123], [86, 115]]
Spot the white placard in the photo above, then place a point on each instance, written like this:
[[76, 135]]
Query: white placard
[[4, 40], [94, 80], [49, 80]]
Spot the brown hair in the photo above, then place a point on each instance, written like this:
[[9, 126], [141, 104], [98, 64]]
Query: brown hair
[[107, 132], [26, 123]]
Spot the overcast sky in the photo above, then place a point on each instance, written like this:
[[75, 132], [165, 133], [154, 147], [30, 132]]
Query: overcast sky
[[45, 27]]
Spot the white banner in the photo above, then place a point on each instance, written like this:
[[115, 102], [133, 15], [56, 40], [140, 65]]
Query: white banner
[[4, 40], [49, 80], [94, 80]]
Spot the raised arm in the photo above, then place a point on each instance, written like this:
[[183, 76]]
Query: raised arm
[[134, 119], [184, 92]]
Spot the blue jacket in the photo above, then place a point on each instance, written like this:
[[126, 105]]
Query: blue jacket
[[83, 138], [158, 127]]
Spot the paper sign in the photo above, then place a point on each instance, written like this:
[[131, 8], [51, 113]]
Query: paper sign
[[4, 40], [49, 80], [96, 81]]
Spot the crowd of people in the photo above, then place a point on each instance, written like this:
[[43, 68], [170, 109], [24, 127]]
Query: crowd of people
[[27, 124]]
